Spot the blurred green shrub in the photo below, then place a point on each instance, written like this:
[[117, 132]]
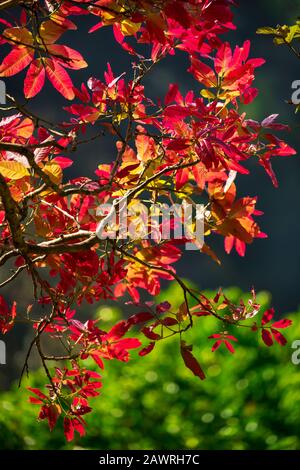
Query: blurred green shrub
[[250, 400]]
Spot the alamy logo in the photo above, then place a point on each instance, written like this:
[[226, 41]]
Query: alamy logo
[[2, 92], [296, 95], [2, 353], [134, 220], [296, 353]]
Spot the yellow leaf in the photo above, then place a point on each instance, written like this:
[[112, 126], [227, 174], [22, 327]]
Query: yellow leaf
[[129, 28], [13, 170], [54, 171], [266, 30], [207, 94], [110, 17]]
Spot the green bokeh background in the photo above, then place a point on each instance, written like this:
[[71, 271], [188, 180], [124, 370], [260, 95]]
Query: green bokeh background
[[250, 400]]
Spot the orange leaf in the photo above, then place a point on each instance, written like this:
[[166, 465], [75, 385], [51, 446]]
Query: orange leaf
[[50, 31], [62, 21], [145, 146], [17, 35], [208, 251], [24, 129]]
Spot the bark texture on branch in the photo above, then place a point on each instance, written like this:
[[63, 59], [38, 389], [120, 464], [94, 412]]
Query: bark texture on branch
[[9, 3]]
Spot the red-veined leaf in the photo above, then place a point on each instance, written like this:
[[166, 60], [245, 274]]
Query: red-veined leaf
[[35, 79], [74, 59], [60, 79], [16, 61], [203, 73]]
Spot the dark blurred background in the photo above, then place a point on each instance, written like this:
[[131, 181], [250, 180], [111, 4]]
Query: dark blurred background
[[271, 264]]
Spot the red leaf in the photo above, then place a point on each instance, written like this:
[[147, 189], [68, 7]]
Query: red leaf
[[16, 61], [118, 330], [98, 360], [163, 307], [171, 95], [267, 316], [283, 323], [267, 337], [240, 247], [190, 361], [35, 401], [95, 27], [69, 429], [63, 162], [141, 317], [128, 343], [79, 427], [35, 79], [249, 95], [266, 164], [216, 345], [169, 321], [229, 346], [74, 59], [59, 79], [203, 73], [150, 334], [147, 349], [37, 392], [229, 243], [53, 414], [178, 144], [7, 316], [279, 338]]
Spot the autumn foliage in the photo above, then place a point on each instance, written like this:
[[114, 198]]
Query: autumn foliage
[[180, 149]]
